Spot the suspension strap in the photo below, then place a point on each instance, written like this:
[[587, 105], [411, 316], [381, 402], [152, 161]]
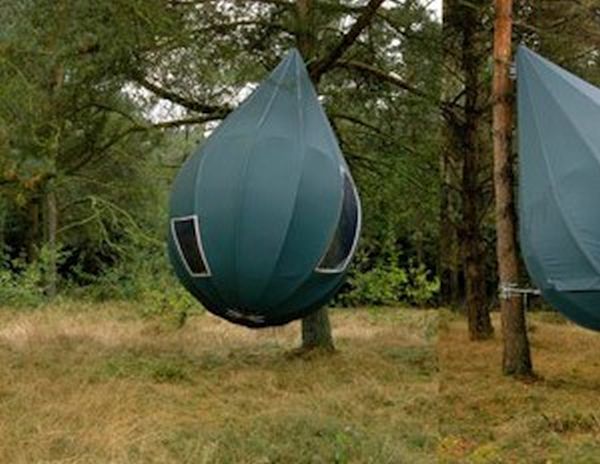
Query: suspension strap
[[512, 71], [509, 290]]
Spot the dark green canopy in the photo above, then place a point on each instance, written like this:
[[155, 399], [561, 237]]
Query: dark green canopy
[[559, 149], [265, 217]]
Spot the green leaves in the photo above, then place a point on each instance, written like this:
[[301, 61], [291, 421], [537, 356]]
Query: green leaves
[[389, 284]]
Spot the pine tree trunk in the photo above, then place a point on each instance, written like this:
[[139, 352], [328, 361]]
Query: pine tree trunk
[[2, 228], [32, 234], [51, 221], [316, 327], [449, 248], [516, 355], [473, 206], [51, 211], [446, 235], [478, 316], [465, 59], [316, 331]]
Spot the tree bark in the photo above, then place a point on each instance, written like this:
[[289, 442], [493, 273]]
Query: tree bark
[[449, 261], [305, 39], [32, 234], [51, 221], [49, 199], [473, 201], [465, 58], [316, 331], [516, 355], [2, 228]]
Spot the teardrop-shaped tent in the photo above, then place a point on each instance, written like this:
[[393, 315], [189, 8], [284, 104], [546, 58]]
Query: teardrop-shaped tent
[[265, 216], [559, 155]]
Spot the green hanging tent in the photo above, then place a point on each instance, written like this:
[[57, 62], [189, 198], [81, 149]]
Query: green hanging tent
[[265, 216], [559, 153]]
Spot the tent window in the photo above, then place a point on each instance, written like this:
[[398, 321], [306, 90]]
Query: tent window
[[186, 234], [345, 238]]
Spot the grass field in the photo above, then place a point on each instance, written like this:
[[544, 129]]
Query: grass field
[[94, 384], [487, 418], [98, 383]]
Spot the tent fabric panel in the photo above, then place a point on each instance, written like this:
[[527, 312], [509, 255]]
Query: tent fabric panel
[[269, 193], [559, 147], [217, 200], [572, 139], [315, 213], [562, 231]]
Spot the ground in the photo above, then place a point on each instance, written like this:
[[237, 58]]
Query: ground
[[98, 383], [488, 418]]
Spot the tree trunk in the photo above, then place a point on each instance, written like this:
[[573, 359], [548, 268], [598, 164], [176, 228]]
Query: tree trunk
[[51, 221], [478, 316], [473, 201], [51, 212], [445, 224], [32, 234], [316, 328], [316, 331], [305, 39], [516, 356], [449, 261], [2, 228], [445, 236]]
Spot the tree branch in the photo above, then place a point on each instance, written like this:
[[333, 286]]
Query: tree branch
[[323, 65], [381, 75], [216, 110], [92, 155], [185, 122], [355, 120]]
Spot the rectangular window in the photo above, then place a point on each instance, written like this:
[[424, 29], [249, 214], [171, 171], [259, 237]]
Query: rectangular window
[[186, 234]]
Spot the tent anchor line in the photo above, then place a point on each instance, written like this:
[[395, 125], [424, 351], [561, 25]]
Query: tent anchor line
[[510, 290]]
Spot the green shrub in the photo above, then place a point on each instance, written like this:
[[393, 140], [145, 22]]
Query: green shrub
[[20, 284], [389, 284], [142, 274], [422, 289], [379, 286], [23, 284]]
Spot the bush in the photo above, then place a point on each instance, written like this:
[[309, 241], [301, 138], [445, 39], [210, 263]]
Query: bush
[[422, 288], [379, 286], [142, 274], [390, 284], [20, 287], [22, 284]]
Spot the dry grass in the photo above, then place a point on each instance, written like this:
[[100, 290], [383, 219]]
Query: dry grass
[[486, 418], [95, 384], [98, 384]]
